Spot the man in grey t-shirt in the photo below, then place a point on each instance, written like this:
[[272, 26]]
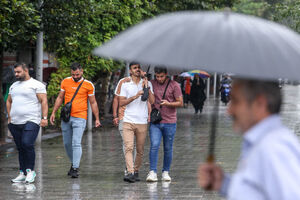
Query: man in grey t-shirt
[[26, 100]]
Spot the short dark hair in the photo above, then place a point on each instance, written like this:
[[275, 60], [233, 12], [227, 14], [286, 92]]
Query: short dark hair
[[76, 66], [160, 69], [270, 89], [133, 63], [23, 65]]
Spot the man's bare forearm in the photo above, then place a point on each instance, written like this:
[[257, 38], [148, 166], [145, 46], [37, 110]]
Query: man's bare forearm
[[95, 110], [124, 102], [115, 106], [44, 104], [57, 104]]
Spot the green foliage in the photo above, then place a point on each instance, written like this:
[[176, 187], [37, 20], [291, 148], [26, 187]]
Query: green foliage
[[19, 23], [250, 7], [178, 5], [74, 29], [288, 13]]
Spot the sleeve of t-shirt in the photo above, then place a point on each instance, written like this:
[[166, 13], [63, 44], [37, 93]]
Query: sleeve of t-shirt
[[118, 88], [91, 89], [62, 86], [41, 88], [151, 87], [177, 90], [123, 92], [10, 89]]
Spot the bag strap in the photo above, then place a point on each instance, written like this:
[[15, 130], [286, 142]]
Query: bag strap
[[76, 91], [165, 91]]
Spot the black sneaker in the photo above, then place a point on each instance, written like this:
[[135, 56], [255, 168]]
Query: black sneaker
[[136, 176], [70, 171], [129, 178], [74, 173]]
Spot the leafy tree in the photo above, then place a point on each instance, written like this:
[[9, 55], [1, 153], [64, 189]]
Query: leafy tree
[[288, 13], [250, 7]]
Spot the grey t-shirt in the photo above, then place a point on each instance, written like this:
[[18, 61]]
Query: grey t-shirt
[[25, 104]]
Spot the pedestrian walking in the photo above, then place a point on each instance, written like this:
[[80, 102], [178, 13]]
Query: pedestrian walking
[[270, 153], [118, 115], [197, 95], [135, 119], [187, 91], [26, 101], [73, 130], [168, 97]]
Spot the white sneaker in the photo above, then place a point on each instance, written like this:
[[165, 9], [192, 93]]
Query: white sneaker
[[151, 177], [20, 178], [30, 176], [165, 176]]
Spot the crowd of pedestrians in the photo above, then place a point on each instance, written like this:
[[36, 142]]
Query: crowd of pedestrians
[[269, 163]]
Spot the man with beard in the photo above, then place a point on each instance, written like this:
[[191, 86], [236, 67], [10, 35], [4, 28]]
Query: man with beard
[[269, 163], [135, 119], [73, 130], [166, 128], [26, 100]]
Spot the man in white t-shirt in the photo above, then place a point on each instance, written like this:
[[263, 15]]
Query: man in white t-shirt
[[135, 119], [26, 101]]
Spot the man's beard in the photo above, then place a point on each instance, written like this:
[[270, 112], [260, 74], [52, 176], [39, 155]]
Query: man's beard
[[21, 78], [77, 79]]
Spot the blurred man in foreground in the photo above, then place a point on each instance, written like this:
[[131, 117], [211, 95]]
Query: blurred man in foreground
[[270, 153]]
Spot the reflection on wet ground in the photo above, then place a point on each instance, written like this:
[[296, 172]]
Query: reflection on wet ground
[[102, 165]]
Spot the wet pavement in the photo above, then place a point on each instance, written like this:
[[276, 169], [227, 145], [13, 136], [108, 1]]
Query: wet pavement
[[102, 164]]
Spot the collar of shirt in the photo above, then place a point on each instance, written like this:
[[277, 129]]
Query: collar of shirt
[[131, 81], [258, 131]]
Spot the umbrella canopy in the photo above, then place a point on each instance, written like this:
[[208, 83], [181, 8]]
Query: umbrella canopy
[[201, 73], [185, 74], [216, 41]]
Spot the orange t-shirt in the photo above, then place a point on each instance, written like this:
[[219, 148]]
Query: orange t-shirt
[[79, 104]]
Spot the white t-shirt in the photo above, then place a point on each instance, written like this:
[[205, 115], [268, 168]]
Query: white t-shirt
[[136, 111], [25, 104]]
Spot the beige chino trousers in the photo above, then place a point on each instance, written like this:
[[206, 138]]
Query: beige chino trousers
[[140, 132]]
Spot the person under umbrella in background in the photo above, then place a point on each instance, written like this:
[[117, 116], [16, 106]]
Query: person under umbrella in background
[[187, 91], [270, 153], [197, 96]]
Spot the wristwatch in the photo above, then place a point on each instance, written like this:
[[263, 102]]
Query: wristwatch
[[44, 118]]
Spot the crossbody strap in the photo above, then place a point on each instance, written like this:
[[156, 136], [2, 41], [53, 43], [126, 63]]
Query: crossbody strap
[[165, 91], [76, 91]]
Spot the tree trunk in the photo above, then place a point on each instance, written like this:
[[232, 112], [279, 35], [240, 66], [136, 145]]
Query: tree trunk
[[3, 131]]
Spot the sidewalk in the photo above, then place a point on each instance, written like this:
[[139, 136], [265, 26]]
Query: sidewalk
[[102, 165]]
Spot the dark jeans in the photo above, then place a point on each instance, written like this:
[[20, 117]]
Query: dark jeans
[[24, 137], [167, 132]]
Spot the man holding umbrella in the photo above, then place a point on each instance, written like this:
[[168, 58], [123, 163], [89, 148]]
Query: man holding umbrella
[[270, 153]]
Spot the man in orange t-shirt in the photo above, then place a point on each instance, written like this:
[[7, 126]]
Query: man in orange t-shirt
[[73, 130]]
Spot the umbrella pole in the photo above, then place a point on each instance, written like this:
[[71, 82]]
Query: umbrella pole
[[212, 137]]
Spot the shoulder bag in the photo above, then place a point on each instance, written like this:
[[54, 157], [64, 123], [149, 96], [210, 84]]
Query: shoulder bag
[[155, 115]]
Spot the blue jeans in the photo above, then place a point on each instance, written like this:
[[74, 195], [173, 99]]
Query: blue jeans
[[72, 134], [157, 131], [24, 137]]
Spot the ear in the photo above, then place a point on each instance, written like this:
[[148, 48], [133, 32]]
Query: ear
[[260, 105]]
